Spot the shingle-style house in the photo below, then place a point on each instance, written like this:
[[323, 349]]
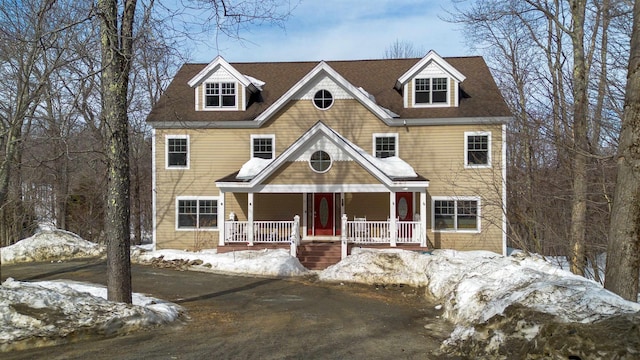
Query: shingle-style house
[[395, 152]]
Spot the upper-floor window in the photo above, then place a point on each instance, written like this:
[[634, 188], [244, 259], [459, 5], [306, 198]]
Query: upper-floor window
[[385, 145], [451, 214], [431, 91], [197, 213], [220, 95], [323, 99], [177, 151], [477, 148], [263, 146]]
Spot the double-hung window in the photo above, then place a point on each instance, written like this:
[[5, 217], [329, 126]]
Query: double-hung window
[[263, 146], [451, 214], [477, 148], [430, 91], [220, 95], [197, 213], [385, 145], [177, 151]]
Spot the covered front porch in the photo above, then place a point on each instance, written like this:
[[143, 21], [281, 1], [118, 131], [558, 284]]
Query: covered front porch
[[365, 219]]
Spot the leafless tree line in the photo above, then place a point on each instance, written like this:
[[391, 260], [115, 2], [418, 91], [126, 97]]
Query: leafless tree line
[[52, 129], [78, 79], [562, 67]]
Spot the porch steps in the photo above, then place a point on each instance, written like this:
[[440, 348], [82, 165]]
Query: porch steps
[[319, 256]]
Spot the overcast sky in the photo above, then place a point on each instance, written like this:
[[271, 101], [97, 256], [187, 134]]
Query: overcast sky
[[344, 30]]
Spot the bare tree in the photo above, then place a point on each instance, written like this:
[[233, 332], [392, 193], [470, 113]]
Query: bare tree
[[117, 34], [402, 50], [543, 54], [623, 252]]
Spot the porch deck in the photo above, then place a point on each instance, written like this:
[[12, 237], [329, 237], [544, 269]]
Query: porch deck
[[318, 255]]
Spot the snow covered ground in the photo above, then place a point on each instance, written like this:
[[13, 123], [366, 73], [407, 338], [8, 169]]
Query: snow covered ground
[[472, 287]]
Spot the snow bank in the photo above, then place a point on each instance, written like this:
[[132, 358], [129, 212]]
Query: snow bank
[[43, 313], [477, 285], [49, 245], [276, 262], [384, 266]]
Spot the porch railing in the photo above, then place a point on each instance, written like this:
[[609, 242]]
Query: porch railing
[[263, 231], [379, 232]]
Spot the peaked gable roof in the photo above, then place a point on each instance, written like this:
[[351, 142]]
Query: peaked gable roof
[[431, 57], [220, 62], [376, 167], [324, 69]]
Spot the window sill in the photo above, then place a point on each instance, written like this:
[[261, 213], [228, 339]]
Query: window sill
[[436, 105], [478, 166], [230, 108], [456, 231], [196, 229]]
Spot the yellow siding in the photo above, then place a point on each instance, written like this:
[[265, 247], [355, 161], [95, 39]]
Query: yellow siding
[[200, 92], [452, 92], [410, 85], [238, 204], [435, 152], [373, 206], [278, 207]]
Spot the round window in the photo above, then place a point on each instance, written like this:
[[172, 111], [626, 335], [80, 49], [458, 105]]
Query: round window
[[323, 99], [320, 161]]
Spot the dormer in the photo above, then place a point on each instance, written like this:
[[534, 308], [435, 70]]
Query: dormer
[[431, 82], [220, 87]]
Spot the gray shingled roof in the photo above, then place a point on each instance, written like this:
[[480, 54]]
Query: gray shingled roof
[[479, 97]]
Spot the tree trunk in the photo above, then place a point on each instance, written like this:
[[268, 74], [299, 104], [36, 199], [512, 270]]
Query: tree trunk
[[116, 46], [580, 141], [623, 250]]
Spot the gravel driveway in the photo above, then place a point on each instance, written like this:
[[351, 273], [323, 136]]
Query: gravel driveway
[[237, 317]]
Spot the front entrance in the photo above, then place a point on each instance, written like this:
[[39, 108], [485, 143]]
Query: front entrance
[[404, 206], [323, 216], [404, 212]]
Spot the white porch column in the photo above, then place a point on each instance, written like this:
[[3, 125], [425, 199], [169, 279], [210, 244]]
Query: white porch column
[[295, 236], [392, 219], [250, 232], [305, 216], [221, 230], [423, 217], [343, 236]]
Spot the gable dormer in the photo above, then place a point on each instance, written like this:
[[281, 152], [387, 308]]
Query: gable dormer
[[220, 87], [431, 82]]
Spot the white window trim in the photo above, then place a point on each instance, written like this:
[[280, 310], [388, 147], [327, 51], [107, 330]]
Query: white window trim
[[423, 105], [313, 99], [379, 135], [178, 198], [331, 160], [456, 199], [238, 88], [466, 149], [166, 152], [265, 136]]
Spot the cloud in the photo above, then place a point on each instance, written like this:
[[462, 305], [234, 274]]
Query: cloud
[[338, 30]]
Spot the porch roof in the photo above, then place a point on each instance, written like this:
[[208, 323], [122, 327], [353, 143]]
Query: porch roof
[[392, 174]]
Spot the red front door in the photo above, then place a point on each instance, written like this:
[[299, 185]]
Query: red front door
[[323, 213], [404, 206]]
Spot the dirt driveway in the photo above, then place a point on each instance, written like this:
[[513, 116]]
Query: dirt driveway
[[234, 317]]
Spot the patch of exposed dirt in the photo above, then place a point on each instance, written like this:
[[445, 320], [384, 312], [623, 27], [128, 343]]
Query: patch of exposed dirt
[[523, 333]]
